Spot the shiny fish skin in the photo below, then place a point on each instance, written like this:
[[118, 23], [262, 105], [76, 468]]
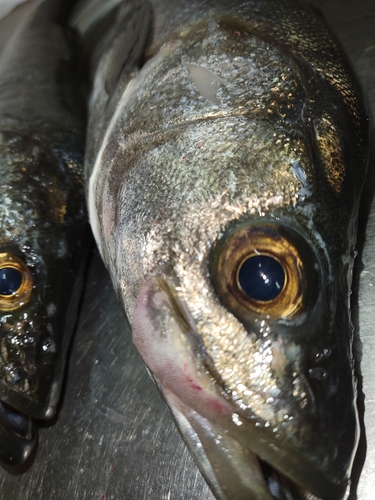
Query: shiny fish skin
[[44, 230], [182, 177]]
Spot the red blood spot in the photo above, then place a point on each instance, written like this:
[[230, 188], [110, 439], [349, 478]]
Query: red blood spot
[[193, 385]]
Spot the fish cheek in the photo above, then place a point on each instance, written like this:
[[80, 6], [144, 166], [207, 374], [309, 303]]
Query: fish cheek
[[292, 318], [168, 342]]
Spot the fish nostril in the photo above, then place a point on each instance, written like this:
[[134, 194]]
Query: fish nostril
[[318, 373]]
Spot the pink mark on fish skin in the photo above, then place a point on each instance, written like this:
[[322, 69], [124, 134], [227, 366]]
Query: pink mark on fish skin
[[193, 385], [218, 407]]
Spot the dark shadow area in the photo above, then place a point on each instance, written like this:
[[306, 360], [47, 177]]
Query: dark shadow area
[[364, 211], [26, 466]]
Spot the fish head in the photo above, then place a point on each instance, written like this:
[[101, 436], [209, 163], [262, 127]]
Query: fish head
[[227, 219], [244, 321], [42, 214]]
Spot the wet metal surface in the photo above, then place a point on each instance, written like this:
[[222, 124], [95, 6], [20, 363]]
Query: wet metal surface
[[113, 437]]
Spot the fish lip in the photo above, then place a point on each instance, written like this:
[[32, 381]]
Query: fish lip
[[276, 485], [295, 465], [273, 476], [24, 404], [283, 477], [18, 435]]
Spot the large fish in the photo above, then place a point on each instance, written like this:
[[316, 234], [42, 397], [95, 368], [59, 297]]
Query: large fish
[[43, 228], [226, 154]]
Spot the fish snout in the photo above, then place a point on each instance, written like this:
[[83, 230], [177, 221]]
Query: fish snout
[[18, 435], [278, 439], [18, 430]]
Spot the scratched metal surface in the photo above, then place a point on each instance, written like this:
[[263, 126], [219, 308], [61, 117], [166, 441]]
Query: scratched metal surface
[[113, 437]]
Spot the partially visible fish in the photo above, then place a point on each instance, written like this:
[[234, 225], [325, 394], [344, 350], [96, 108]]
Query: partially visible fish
[[226, 154], [44, 235], [7, 6]]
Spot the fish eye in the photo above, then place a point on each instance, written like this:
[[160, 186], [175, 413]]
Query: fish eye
[[261, 277], [10, 280], [15, 282], [266, 269]]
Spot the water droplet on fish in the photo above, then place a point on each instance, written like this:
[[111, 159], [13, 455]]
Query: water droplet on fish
[[28, 340], [51, 309], [327, 352], [236, 419], [48, 346], [14, 376]]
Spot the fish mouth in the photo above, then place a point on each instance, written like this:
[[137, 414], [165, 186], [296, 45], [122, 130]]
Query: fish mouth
[[280, 487], [233, 470], [18, 435], [238, 455]]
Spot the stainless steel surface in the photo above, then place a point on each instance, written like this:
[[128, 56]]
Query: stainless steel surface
[[113, 437]]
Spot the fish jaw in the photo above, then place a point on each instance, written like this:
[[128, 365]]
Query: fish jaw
[[18, 435], [228, 443]]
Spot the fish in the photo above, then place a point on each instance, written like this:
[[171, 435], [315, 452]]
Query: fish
[[44, 231], [225, 158]]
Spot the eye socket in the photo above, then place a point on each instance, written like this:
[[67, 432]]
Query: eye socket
[[15, 282], [266, 269]]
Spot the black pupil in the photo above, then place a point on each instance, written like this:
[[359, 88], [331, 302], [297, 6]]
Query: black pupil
[[10, 280], [261, 277]]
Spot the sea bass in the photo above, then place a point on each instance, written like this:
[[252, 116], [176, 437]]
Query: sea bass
[[226, 154], [44, 230]]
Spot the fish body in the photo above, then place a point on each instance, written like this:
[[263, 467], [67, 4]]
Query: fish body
[[44, 233], [226, 154]]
